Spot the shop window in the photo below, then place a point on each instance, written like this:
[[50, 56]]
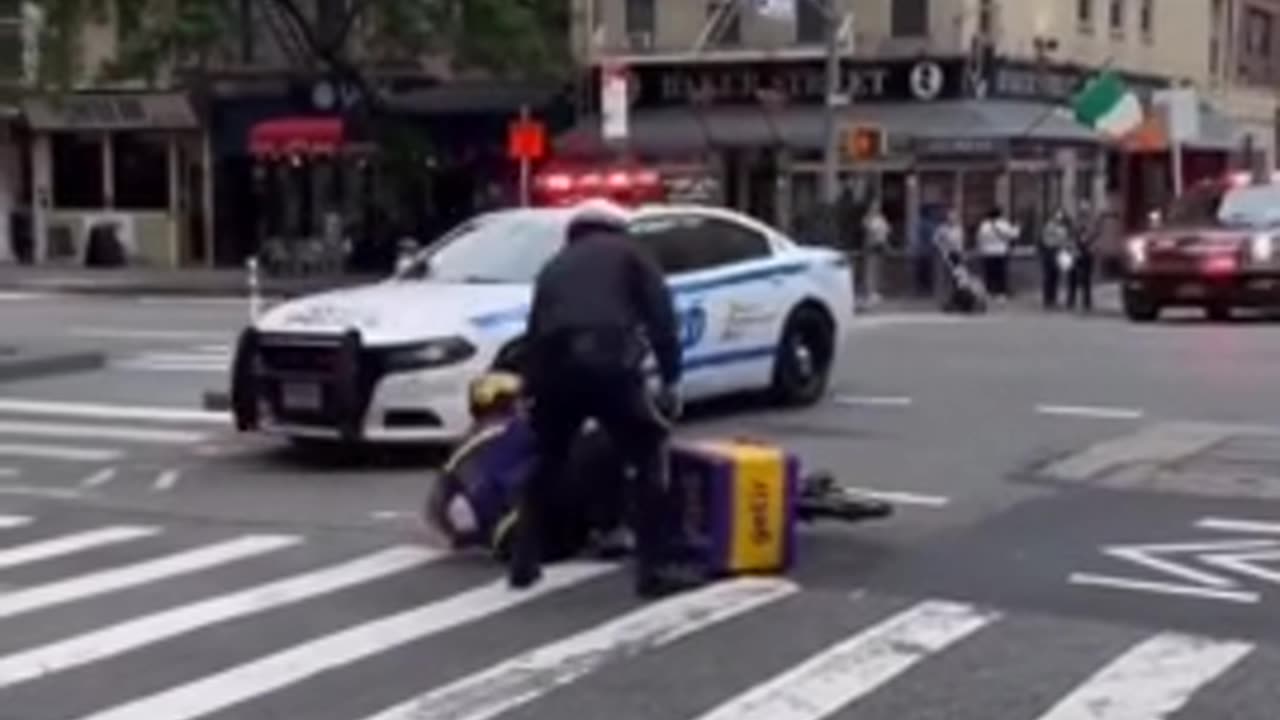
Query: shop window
[[77, 171], [910, 18], [141, 171]]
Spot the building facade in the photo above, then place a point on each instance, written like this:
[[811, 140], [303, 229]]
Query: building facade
[[971, 95], [95, 156]]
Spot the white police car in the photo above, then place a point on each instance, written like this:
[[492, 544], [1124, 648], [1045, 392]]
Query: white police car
[[390, 361]]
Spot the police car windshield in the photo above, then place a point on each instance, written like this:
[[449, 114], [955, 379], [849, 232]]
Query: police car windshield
[[504, 247]]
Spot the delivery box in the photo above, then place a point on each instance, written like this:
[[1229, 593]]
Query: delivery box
[[739, 503]]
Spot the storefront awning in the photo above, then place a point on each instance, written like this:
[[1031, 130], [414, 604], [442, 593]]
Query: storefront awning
[[297, 136], [677, 130], [110, 111]]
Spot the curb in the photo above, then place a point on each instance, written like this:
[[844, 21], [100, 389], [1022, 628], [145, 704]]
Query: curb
[[26, 366]]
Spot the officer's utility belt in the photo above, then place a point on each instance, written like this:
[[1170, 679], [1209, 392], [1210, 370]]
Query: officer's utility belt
[[604, 349]]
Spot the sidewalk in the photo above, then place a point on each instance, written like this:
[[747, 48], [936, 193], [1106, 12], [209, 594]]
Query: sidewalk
[[228, 282], [1106, 301]]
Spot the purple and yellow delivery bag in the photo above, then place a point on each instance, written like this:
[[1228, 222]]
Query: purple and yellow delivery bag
[[739, 503]]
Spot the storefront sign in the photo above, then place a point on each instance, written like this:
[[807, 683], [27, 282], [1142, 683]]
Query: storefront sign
[[110, 112], [795, 81], [959, 146], [804, 82], [1025, 81]]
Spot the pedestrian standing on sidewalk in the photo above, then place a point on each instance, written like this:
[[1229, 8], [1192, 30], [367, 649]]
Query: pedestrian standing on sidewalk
[[949, 253], [1054, 241], [875, 230], [995, 242], [1083, 242]]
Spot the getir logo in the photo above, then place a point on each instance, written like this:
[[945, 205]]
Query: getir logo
[[759, 506]]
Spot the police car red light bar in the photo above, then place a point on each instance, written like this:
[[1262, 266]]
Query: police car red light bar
[[627, 185]]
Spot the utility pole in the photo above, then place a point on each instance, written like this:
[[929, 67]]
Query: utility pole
[[831, 150]]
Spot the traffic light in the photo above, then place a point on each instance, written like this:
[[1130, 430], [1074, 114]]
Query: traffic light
[[864, 142]]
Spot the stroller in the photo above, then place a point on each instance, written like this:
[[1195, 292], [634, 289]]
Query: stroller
[[472, 504], [965, 293]]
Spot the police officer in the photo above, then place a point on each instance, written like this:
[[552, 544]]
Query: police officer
[[599, 307]]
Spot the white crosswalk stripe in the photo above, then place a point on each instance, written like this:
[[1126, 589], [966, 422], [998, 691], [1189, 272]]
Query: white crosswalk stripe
[[89, 433], [1153, 680], [82, 587], [136, 633], [100, 432], [13, 521], [525, 678], [300, 662], [193, 359], [69, 544], [838, 676], [1152, 677]]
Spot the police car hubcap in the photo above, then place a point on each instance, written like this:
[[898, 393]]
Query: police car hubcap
[[803, 357]]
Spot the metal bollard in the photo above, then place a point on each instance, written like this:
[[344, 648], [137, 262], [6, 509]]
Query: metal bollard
[[255, 297]]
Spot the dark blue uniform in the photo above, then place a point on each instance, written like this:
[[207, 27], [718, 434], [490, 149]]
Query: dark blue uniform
[[599, 306]]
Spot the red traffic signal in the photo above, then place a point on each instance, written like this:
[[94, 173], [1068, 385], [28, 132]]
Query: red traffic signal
[[864, 142]]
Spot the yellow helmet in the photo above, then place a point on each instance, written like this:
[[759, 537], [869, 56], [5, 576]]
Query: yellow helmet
[[494, 392]]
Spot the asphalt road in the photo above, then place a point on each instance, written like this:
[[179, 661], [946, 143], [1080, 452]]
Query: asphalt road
[[1088, 528]]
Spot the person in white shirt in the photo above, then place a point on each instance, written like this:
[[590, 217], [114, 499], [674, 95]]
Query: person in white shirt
[[995, 241], [876, 230], [1054, 241]]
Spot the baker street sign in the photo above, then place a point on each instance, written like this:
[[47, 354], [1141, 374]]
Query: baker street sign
[[800, 82]]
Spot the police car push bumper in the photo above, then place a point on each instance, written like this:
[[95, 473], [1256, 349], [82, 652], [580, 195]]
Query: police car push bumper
[[334, 388]]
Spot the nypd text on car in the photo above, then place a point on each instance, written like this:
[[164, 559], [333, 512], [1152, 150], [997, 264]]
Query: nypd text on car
[[390, 361]]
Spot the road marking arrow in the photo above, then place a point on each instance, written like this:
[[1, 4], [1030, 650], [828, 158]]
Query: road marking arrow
[[1147, 556], [1239, 557], [1244, 564]]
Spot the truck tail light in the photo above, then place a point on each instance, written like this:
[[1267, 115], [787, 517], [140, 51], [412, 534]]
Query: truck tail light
[[1219, 265]]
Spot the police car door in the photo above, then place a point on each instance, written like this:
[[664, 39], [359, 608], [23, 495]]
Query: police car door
[[724, 305]]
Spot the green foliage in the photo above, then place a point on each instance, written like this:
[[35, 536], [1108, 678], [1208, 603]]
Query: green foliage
[[514, 38]]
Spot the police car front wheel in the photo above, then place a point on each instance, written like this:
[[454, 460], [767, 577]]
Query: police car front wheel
[[804, 356]]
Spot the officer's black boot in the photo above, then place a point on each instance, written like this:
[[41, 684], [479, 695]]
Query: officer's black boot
[[657, 581], [525, 566]]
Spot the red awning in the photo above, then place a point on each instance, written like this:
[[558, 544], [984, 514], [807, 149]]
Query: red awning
[[297, 136]]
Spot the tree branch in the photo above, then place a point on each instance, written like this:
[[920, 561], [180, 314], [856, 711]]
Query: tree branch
[[331, 57]]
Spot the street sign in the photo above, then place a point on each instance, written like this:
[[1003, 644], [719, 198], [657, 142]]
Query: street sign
[[615, 102], [1225, 570], [526, 140]]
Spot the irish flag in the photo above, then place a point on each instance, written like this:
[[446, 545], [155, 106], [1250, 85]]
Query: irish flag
[[1107, 105]]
